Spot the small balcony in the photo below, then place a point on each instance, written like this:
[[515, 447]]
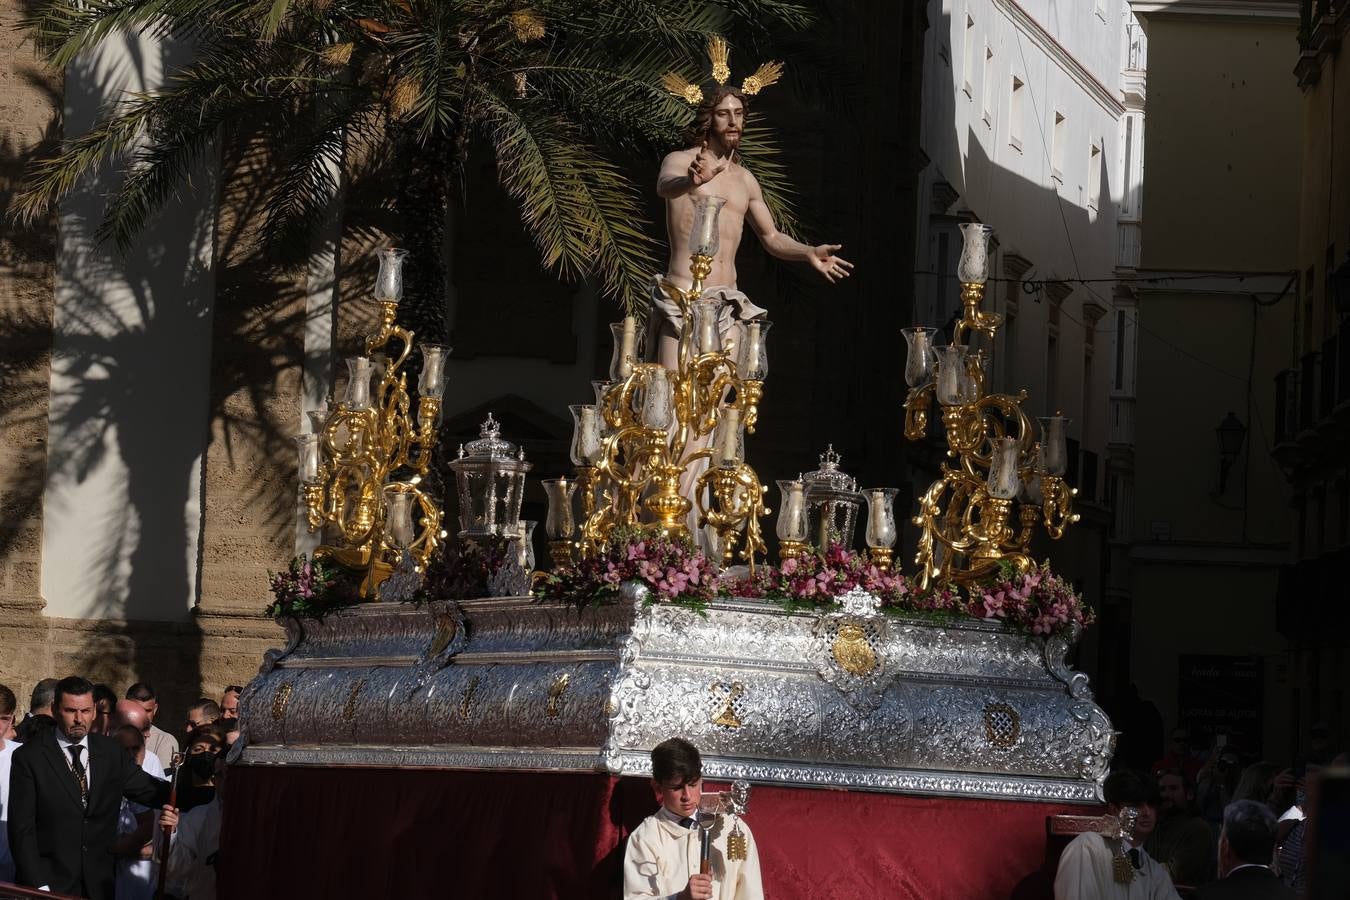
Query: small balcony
[[1312, 404]]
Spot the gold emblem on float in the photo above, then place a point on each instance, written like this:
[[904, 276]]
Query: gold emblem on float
[[280, 701], [853, 651], [555, 694]]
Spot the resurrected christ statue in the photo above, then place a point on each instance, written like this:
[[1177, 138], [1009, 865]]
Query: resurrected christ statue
[[709, 167]]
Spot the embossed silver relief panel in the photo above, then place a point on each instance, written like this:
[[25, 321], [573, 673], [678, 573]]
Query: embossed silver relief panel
[[852, 699]]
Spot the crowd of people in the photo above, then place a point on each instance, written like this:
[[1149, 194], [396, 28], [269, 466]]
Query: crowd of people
[[1209, 825], [95, 797], [91, 788]]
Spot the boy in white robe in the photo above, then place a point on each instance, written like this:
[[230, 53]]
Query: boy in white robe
[[1087, 867], [663, 854]]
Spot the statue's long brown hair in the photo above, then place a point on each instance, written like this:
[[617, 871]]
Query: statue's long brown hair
[[698, 130]]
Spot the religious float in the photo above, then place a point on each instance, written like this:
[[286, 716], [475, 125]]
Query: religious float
[[446, 720]]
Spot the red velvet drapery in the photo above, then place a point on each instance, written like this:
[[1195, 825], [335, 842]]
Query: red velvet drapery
[[411, 833]]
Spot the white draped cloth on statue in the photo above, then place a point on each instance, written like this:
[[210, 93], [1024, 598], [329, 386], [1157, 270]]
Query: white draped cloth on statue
[[663, 341]]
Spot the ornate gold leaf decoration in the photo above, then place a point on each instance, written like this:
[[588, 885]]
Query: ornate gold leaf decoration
[[349, 708], [767, 74], [555, 693], [852, 650], [677, 85], [727, 717], [280, 700], [445, 632], [719, 55], [466, 699]]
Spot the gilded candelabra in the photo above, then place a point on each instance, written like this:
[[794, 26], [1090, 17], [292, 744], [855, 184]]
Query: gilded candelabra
[[361, 470], [1001, 458], [650, 424]]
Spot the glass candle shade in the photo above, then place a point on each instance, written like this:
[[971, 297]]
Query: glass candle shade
[[973, 267], [753, 357], [307, 450], [707, 317], [791, 524], [726, 448], [560, 524], [586, 445], [1054, 450], [705, 238], [954, 384], [389, 281], [431, 383], [970, 387], [625, 348], [602, 389], [1003, 481], [881, 531], [318, 418], [921, 362], [398, 521], [656, 399], [358, 382], [1030, 491]]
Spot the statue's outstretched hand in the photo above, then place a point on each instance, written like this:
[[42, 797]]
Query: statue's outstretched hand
[[705, 167], [834, 268]]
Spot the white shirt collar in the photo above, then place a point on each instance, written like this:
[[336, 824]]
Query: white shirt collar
[[676, 818], [66, 743]]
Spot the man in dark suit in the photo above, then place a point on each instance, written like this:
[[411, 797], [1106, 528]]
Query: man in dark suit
[[66, 789], [1246, 846], [39, 717]]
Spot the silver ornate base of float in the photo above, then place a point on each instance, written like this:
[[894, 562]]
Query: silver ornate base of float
[[854, 698]]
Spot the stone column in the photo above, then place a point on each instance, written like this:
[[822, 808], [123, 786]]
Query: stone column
[[30, 113]]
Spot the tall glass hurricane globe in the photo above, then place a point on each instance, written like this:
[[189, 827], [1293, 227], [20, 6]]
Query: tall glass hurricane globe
[[1003, 481], [398, 521], [753, 357], [704, 237], [1054, 446], [881, 531], [954, 385], [920, 362], [792, 511], [560, 524], [389, 282], [973, 267]]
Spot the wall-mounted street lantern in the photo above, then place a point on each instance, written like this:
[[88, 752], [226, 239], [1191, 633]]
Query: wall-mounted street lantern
[[1231, 433]]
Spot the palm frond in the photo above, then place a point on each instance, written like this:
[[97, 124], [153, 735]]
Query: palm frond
[[63, 29], [52, 177], [583, 214], [309, 178]]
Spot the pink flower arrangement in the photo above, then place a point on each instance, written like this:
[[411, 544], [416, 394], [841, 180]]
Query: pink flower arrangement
[[821, 579], [311, 588], [672, 569], [1037, 600]]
